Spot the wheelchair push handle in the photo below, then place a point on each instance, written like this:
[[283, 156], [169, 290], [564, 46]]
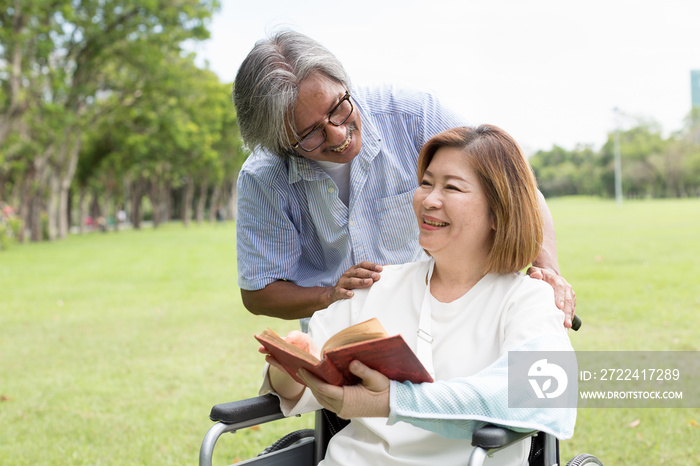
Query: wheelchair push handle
[[576, 322]]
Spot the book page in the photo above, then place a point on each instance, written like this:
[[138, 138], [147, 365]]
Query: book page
[[369, 330], [270, 337]]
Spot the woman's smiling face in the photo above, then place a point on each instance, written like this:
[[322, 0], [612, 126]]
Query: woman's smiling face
[[451, 208]]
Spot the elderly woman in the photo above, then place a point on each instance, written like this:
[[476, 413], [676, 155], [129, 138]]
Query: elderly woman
[[461, 311]]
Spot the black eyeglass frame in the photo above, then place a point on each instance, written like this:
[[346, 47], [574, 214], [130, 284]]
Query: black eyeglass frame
[[328, 121]]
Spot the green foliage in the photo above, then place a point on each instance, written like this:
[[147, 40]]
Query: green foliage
[[559, 172], [10, 227], [115, 346], [4, 236], [176, 127], [61, 61], [651, 165]]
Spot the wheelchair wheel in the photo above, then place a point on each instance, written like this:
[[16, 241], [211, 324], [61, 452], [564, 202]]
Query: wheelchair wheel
[[288, 440], [584, 459]]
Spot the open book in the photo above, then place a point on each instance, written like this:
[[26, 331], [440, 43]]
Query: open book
[[366, 342]]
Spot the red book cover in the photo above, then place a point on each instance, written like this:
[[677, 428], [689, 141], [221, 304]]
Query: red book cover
[[389, 355]]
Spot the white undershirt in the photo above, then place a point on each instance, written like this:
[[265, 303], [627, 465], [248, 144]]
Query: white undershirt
[[340, 174]]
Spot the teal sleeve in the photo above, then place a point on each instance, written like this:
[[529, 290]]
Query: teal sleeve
[[456, 408]]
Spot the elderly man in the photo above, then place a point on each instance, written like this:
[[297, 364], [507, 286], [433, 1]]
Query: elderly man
[[325, 197]]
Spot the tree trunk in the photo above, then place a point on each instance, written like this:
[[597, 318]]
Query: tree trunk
[[34, 179], [106, 209], [43, 172], [138, 190], [67, 176], [52, 210], [97, 212], [62, 172], [202, 203], [215, 205], [156, 202], [23, 210], [167, 201], [69, 209], [36, 207], [4, 181], [187, 198], [83, 203]]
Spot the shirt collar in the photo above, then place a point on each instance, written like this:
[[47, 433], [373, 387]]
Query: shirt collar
[[301, 168]]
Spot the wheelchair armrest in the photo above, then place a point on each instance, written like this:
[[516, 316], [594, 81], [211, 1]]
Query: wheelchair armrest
[[246, 410], [492, 437], [489, 439], [230, 417]]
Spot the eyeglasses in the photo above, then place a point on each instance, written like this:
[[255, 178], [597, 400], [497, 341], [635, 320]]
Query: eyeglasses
[[317, 136]]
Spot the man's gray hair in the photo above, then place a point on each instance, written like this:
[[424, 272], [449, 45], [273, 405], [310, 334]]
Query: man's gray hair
[[267, 86]]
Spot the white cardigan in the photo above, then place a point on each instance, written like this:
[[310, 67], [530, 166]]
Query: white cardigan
[[470, 334]]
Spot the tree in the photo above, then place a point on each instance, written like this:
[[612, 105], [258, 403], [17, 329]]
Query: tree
[[643, 152], [176, 135], [57, 60], [560, 172]]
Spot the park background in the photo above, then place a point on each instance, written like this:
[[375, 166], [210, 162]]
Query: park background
[[114, 346]]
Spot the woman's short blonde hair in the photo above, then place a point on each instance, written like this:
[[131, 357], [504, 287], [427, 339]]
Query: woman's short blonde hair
[[510, 188]]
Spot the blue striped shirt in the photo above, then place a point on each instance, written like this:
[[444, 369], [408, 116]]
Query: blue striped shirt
[[291, 224]]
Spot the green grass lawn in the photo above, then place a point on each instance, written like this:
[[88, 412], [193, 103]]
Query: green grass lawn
[[636, 274], [114, 347]]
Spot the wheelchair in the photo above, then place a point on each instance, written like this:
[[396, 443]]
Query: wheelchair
[[307, 447]]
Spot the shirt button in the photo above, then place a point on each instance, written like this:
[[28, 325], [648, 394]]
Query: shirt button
[[331, 189]]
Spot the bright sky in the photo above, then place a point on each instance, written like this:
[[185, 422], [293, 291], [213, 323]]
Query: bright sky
[[547, 71]]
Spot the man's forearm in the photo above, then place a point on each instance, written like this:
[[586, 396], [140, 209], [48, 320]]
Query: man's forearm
[[285, 300], [548, 254]]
